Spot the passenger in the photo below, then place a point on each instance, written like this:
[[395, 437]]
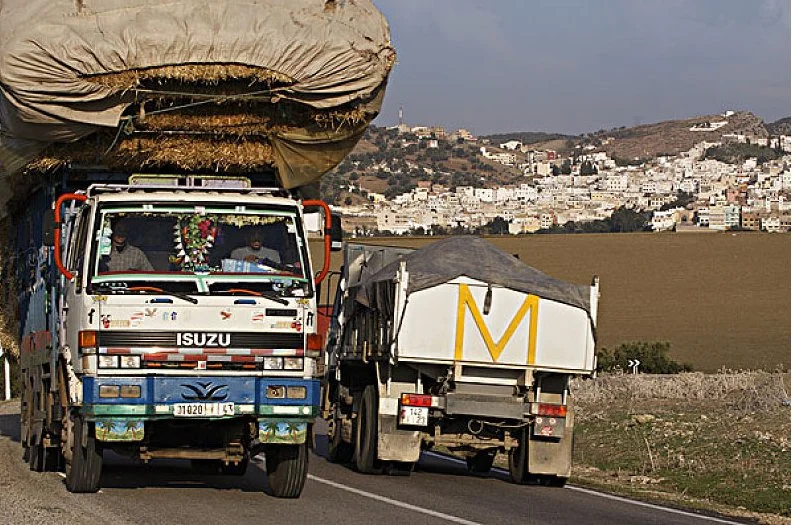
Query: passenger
[[255, 251], [123, 256]]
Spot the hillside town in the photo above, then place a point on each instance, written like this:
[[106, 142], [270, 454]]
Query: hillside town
[[688, 191]]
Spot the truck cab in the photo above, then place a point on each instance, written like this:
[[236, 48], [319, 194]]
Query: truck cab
[[186, 328]]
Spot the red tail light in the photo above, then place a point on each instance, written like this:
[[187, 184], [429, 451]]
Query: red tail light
[[417, 400], [551, 410]]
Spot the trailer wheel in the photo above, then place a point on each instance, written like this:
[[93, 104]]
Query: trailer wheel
[[366, 434], [84, 468], [339, 451], [287, 469], [518, 460], [481, 462]]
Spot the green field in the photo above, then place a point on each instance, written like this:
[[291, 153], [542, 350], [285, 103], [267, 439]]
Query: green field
[[720, 299]]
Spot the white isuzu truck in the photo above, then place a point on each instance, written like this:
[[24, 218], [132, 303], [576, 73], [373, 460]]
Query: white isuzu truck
[[150, 329], [455, 345]]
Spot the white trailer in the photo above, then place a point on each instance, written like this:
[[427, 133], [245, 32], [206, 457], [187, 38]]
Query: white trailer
[[456, 345]]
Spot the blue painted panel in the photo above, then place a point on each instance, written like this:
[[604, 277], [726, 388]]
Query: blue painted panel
[[176, 389]]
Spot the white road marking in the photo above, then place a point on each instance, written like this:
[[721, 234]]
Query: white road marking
[[652, 506], [396, 503], [608, 496]]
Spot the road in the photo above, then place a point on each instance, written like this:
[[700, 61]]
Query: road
[[439, 492]]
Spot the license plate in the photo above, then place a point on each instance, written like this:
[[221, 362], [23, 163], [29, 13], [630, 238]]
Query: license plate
[[416, 416], [203, 409]]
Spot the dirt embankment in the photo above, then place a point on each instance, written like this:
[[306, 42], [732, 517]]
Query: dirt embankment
[[719, 442]]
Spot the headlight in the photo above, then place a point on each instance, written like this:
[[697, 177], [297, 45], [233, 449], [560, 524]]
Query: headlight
[[276, 391], [130, 361], [108, 361], [293, 363], [108, 390], [273, 363], [130, 391], [296, 392]]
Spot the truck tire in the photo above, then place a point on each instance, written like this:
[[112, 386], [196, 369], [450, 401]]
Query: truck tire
[[365, 455], [287, 469], [85, 468], [481, 462], [339, 451], [518, 459]]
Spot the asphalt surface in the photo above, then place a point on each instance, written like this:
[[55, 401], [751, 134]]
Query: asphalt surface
[[165, 492]]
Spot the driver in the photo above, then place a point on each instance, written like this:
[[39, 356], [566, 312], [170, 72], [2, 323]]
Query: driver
[[123, 256], [254, 250]]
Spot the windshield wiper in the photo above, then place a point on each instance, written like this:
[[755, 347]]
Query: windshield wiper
[[149, 290], [278, 299]]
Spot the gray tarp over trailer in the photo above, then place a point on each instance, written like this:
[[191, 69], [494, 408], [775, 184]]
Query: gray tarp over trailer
[[473, 257], [329, 54]]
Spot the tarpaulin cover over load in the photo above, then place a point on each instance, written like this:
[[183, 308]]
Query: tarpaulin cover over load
[[468, 256], [69, 69]]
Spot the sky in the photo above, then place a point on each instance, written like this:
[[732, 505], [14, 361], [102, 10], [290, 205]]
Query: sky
[[576, 66]]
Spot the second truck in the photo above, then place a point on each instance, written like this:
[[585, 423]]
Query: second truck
[[456, 345]]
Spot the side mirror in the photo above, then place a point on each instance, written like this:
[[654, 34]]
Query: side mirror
[[48, 229], [336, 233]]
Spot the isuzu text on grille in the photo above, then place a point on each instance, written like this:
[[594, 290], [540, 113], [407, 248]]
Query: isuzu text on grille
[[202, 339]]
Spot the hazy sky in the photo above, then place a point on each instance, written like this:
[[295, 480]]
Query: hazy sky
[[573, 66]]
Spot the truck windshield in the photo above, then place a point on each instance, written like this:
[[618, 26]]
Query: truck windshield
[[198, 249]]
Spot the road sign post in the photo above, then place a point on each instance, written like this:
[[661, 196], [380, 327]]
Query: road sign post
[[6, 373], [633, 364]]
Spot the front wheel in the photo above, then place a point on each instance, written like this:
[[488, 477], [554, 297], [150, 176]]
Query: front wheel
[[366, 434], [287, 469], [339, 451], [84, 465]]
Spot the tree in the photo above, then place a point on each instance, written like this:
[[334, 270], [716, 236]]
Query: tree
[[498, 226]]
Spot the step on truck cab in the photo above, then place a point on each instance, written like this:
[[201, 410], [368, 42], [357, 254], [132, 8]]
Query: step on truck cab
[[170, 317], [455, 345]]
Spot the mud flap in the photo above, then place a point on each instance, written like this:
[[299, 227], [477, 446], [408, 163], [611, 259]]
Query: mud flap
[[395, 444], [549, 456]]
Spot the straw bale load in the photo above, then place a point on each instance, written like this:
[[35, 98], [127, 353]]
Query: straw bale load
[[193, 85]]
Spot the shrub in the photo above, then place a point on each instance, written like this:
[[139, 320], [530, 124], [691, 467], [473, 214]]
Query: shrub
[[653, 356]]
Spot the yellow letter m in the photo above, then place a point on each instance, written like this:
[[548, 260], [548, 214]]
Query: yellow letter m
[[466, 300]]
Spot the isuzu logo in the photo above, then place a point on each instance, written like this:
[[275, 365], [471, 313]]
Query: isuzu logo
[[203, 339]]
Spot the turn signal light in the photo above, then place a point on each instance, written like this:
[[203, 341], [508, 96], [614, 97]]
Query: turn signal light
[[315, 342], [551, 410], [417, 400], [87, 339]]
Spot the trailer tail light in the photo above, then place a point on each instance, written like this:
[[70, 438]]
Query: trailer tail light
[[88, 341], [544, 409], [417, 400]]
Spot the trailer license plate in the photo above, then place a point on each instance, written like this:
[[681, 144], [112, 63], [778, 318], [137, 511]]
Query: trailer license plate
[[203, 409], [416, 416]]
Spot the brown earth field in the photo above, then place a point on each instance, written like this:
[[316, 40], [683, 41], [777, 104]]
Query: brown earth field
[[720, 299]]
